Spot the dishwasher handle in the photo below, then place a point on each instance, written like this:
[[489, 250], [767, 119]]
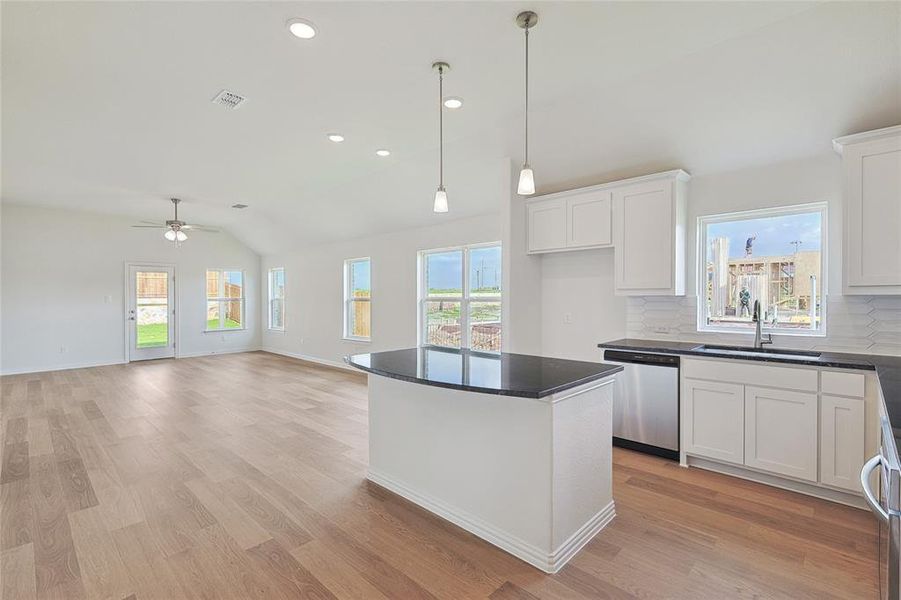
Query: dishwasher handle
[[642, 358]]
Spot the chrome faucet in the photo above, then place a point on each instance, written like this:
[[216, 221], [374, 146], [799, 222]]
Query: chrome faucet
[[759, 339]]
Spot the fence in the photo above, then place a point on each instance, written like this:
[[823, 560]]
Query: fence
[[485, 336]]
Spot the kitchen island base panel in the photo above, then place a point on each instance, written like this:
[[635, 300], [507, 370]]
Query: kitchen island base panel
[[531, 476]]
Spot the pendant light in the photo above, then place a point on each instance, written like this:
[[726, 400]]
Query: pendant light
[[440, 205], [526, 20]]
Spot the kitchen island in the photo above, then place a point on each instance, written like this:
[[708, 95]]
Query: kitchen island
[[515, 449]]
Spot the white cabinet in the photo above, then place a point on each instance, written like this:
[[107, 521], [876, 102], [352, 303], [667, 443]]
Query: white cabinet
[[547, 225], [589, 220], [712, 420], [871, 189], [781, 431], [649, 236], [842, 449], [573, 220]]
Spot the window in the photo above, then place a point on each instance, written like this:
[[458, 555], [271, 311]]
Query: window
[[277, 299], [224, 300], [460, 297], [357, 299], [773, 256]]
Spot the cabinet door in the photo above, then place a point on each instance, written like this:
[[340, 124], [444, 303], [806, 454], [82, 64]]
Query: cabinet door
[[841, 441], [713, 420], [781, 432], [588, 220], [873, 213], [547, 225], [643, 234]]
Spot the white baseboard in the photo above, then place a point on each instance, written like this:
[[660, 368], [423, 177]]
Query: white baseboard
[[312, 359], [213, 352], [66, 367], [792, 485], [535, 556]]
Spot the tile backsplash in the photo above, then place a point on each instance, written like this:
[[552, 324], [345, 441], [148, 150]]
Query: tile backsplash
[[862, 324]]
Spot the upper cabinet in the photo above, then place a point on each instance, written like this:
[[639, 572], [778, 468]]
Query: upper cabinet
[[574, 220], [871, 189], [649, 235], [643, 218]]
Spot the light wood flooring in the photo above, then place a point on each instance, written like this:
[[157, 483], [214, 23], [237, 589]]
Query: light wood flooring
[[242, 476]]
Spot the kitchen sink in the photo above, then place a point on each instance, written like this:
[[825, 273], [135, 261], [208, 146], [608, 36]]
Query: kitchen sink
[[768, 352]]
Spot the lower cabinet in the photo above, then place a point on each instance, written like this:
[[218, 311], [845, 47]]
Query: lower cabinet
[[781, 432], [713, 414], [842, 449], [811, 429]]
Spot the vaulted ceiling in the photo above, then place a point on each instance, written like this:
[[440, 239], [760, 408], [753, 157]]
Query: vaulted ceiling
[[106, 105]]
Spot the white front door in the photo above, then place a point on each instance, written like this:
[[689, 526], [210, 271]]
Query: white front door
[[151, 312]]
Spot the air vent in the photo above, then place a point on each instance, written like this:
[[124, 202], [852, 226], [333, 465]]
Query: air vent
[[239, 205], [229, 100]]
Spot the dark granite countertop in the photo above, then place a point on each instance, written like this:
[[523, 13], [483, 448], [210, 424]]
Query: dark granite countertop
[[503, 374], [888, 368]]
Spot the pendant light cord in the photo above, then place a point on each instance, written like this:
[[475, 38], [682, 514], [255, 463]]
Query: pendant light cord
[[527, 96], [440, 127]]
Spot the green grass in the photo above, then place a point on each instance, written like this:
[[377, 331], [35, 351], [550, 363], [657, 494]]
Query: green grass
[[157, 334]]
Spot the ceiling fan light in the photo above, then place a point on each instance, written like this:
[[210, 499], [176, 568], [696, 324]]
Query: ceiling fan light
[[440, 201], [170, 235], [180, 236], [526, 181]]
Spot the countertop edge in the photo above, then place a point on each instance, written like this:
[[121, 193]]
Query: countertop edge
[[534, 395]]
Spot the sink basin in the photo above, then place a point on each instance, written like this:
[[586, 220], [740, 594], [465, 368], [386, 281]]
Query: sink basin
[[769, 352]]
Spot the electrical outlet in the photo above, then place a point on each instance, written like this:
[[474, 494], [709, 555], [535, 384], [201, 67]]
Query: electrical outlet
[[568, 318], [661, 329], [62, 349], [107, 299]]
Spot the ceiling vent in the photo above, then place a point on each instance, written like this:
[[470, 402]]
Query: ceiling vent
[[239, 205], [229, 100]]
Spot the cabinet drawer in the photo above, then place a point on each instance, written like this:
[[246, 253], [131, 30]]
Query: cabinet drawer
[[843, 384], [752, 374]]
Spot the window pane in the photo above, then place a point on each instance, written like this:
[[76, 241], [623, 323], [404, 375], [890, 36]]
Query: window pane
[[212, 284], [775, 260], [278, 284], [444, 273], [152, 309], [359, 318], [485, 271], [233, 316], [212, 314], [443, 324], [359, 279], [485, 326], [234, 284], [276, 314]]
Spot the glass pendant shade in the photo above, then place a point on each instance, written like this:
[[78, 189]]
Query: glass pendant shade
[[526, 181], [169, 235], [440, 201], [181, 235]]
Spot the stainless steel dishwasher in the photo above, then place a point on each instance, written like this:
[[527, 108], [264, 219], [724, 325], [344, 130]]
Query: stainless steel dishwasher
[[646, 402]]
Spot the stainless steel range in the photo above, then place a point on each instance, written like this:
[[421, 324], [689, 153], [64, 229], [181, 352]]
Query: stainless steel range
[[886, 505]]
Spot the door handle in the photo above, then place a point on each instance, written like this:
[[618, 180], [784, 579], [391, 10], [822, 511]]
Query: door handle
[[868, 494]]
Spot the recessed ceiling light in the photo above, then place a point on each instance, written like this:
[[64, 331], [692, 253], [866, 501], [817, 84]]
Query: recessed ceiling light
[[453, 102], [335, 137], [383, 152], [302, 28]]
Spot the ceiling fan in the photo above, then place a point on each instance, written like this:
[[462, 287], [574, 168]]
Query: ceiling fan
[[175, 229]]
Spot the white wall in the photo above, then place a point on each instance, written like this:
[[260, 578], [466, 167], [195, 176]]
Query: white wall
[[59, 267], [314, 288]]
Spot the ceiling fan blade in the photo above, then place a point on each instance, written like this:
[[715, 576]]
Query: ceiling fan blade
[[200, 228], [151, 226], [153, 223]]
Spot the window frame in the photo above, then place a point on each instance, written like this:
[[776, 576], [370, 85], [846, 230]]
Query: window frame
[[222, 298], [465, 299], [348, 300], [273, 271], [701, 265]]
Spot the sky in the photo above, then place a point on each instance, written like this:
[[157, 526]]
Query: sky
[[361, 275], [445, 269], [774, 234]]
